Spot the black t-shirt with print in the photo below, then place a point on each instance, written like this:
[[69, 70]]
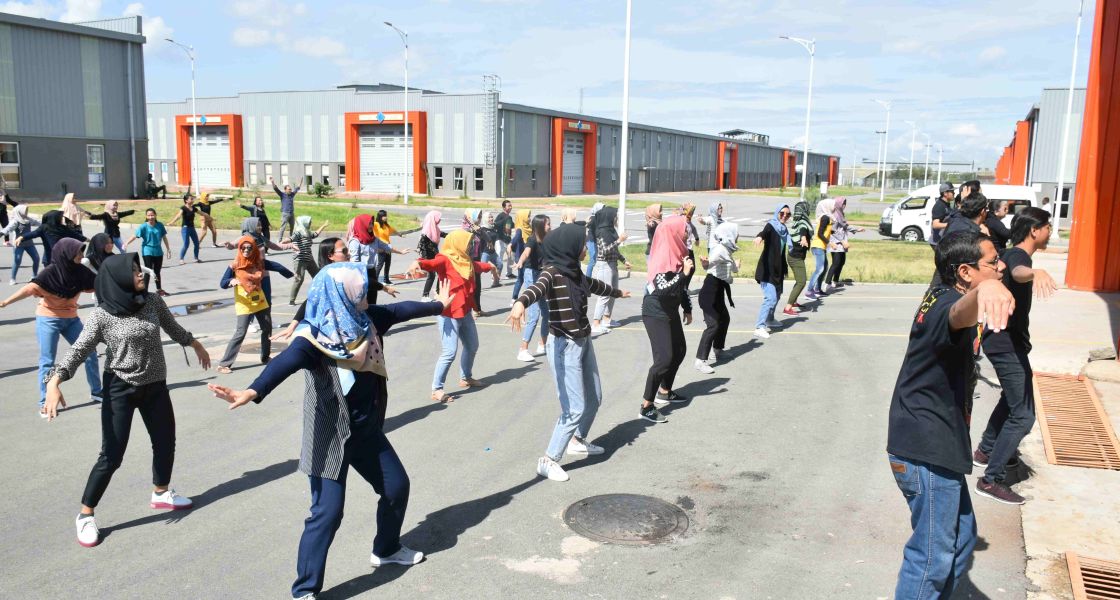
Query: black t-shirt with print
[[1017, 336], [940, 213], [932, 404]]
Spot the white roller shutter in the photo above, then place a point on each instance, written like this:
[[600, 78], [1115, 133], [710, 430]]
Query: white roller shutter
[[382, 158], [573, 164], [213, 156]]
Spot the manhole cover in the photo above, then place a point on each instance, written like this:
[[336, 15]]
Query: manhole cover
[[626, 519]]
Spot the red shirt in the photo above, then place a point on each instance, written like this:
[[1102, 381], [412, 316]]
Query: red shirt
[[463, 289]]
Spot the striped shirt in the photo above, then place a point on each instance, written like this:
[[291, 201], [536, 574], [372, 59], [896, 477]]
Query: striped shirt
[[303, 248], [565, 319]]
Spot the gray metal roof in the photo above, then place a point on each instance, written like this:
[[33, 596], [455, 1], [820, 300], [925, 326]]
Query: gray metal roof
[[87, 30]]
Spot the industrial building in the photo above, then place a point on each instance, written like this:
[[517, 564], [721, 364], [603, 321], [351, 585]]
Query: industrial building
[[458, 145], [72, 108]]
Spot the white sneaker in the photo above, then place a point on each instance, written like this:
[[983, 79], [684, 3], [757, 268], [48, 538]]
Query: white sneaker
[[577, 446], [404, 556], [600, 330], [761, 333], [525, 356], [11, 282], [254, 327], [42, 412], [703, 367], [425, 299], [511, 302], [170, 500], [546, 467], [306, 597], [88, 534], [827, 288], [540, 350]]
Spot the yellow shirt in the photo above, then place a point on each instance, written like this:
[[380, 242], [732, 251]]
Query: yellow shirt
[[382, 232], [817, 243], [246, 303]]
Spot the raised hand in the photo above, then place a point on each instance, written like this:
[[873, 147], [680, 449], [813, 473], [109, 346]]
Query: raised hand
[[235, 398], [995, 304]]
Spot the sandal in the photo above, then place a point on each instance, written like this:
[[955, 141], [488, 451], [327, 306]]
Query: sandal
[[224, 370], [471, 383], [441, 397]]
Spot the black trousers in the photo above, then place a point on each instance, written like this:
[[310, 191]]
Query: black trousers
[[120, 400], [430, 281], [477, 290], [838, 260], [155, 263], [666, 339], [1013, 416], [384, 261], [713, 302]]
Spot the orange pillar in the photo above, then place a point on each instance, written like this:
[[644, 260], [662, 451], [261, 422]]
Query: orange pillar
[[1094, 243], [1020, 152]]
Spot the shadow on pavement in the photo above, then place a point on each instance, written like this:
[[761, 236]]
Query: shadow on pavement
[[730, 354], [19, 321], [18, 371], [191, 383], [412, 415]]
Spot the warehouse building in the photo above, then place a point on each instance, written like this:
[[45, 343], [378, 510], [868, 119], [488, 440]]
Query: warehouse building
[[457, 145], [72, 108]]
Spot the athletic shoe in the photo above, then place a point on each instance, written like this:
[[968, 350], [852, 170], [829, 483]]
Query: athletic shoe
[[790, 311], [88, 534], [650, 413], [11, 282], [998, 492], [42, 412], [600, 330], [404, 556], [671, 397], [95, 398], [169, 500], [511, 276], [718, 353], [425, 298], [540, 350], [703, 367], [525, 356], [828, 287], [546, 467], [307, 597], [254, 327], [811, 295], [575, 446], [511, 302], [496, 283], [761, 333], [979, 458], [614, 324]]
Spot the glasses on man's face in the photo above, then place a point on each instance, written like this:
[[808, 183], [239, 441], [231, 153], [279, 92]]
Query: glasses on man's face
[[994, 264]]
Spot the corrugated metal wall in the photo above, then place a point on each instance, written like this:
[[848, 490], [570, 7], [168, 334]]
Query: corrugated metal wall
[[1047, 148]]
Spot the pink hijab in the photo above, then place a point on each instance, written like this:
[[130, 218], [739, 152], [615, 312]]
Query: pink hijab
[[838, 210], [70, 209], [430, 226], [667, 251]]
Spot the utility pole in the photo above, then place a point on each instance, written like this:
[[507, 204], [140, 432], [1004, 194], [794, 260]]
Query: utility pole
[[913, 140], [886, 144], [939, 149], [925, 169], [810, 46]]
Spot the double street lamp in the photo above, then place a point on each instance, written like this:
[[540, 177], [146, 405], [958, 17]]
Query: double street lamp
[[194, 117], [810, 46]]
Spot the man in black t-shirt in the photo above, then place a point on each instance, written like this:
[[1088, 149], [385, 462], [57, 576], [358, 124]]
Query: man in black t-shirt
[[1008, 351], [503, 226], [940, 217], [928, 442]]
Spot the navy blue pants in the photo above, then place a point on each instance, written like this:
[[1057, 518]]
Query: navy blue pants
[[373, 457]]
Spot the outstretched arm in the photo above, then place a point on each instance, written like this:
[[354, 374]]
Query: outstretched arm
[[299, 355]]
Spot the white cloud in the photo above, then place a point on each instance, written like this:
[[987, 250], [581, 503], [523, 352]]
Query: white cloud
[[81, 10], [992, 53], [250, 37], [965, 129], [37, 9], [133, 9], [272, 13], [318, 47]]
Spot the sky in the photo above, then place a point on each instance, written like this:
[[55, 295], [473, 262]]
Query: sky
[[962, 71]]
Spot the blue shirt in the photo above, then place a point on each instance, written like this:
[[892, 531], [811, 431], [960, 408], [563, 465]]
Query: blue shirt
[[151, 238]]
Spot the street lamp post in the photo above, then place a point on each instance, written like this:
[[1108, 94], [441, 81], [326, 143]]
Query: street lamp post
[[925, 169], [810, 46], [886, 145], [939, 153], [1065, 132], [194, 118], [407, 153], [879, 157], [624, 167], [913, 138]]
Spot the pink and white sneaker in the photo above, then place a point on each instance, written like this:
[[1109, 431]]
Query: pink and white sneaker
[[88, 534], [169, 500]]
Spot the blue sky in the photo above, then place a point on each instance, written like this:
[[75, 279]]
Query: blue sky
[[964, 71]]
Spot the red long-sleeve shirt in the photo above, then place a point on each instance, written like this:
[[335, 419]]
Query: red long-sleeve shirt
[[463, 289]]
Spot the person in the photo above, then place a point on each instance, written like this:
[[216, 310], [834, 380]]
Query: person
[[205, 202], [99, 248], [65, 222], [800, 235], [58, 287], [287, 207], [714, 219], [153, 241], [971, 213], [20, 225], [665, 298], [338, 346], [456, 324], [523, 230], [428, 246], [687, 210], [488, 238], [1000, 234], [568, 215], [822, 231], [128, 321], [8, 201], [1046, 203], [364, 245], [592, 255], [721, 267], [928, 446], [1009, 353], [571, 355], [302, 260], [607, 243], [471, 219], [246, 275], [530, 263], [383, 258], [838, 244], [111, 217], [653, 219], [189, 234], [503, 226], [939, 218], [770, 273], [152, 190], [257, 211]]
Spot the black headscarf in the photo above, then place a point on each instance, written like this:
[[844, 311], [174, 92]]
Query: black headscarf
[[560, 250], [116, 293], [604, 225], [95, 250], [63, 277], [53, 223]]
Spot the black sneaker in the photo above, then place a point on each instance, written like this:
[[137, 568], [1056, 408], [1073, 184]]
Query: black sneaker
[[672, 397], [650, 413], [980, 458], [998, 492]]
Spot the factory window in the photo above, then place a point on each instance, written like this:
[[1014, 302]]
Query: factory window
[[614, 176], [152, 169], [341, 177], [437, 177], [9, 164], [511, 173], [308, 176], [163, 172], [326, 172], [284, 174], [533, 178], [95, 160], [478, 181], [253, 177], [267, 172], [459, 178]]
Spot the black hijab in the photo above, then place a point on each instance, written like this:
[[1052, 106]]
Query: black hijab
[[95, 250], [560, 250], [116, 293], [604, 225], [53, 223], [63, 277]]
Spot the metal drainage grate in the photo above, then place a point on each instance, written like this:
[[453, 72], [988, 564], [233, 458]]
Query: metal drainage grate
[[1075, 428], [1092, 578], [627, 519]]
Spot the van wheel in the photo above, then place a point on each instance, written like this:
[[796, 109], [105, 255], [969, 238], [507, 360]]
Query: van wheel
[[911, 234]]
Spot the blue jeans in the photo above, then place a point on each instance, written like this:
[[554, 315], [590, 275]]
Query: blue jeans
[[119, 244], [769, 303], [48, 330], [577, 384], [189, 234], [536, 313], [494, 258], [820, 263], [938, 552], [453, 331], [590, 256], [17, 259]]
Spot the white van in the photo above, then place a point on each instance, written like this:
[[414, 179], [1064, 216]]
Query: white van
[[910, 218]]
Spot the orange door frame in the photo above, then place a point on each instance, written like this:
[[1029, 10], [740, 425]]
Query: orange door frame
[[721, 150], [590, 152], [183, 126], [417, 121]]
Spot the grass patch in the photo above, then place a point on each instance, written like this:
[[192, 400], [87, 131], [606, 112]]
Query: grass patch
[[795, 191], [863, 219]]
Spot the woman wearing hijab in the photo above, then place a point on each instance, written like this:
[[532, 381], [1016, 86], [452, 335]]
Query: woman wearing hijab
[[522, 232], [455, 269], [772, 266], [338, 346], [838, 244], [205, 202], [488, 238], [19, 226], [58, 287], [721, 267], [607, 242], [531, 262], [822, 230], [245, 275], [428, 247], [800, 234], [714, 218], [55, 226], [256, 211], [665, 298], [128, 321], [187, 232], [112, 220], [153, 241], [472, 218], [571, 355], [302, 260], [382, 230], [592, 254], [653, 219], [97, 250], [687, 210], [364, 245]]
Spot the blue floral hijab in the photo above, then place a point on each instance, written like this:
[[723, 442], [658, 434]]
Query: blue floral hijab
[[335, 321], [780, 227]]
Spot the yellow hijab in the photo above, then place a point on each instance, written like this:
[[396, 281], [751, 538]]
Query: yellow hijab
[[455, 249], [521, 220]]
